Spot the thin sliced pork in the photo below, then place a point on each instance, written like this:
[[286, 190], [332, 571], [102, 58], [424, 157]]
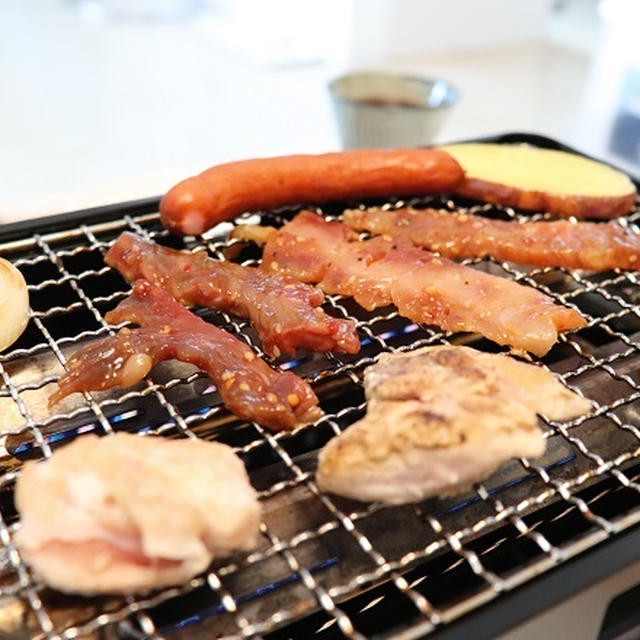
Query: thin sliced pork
[[558, 243], [424, 287]]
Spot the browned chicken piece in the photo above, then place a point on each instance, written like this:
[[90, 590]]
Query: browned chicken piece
[[424, 287], [125, 514], [440, 419], [555, 243]]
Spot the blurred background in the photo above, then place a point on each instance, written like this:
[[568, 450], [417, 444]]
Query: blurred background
[[108, 100]]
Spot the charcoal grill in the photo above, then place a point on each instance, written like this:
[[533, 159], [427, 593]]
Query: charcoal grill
[[532, 534]]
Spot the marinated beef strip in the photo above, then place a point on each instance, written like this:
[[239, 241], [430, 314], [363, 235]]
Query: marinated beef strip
[[424, 287], [286, 313], [248, 386], [558, 243]]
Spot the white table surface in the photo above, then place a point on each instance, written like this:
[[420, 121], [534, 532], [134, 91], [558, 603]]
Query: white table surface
[[99, 113]]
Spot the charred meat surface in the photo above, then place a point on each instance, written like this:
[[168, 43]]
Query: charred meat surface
[[424, 287], [126, 513], [286, 313], [558, 243], [248, 386], [439, 419]]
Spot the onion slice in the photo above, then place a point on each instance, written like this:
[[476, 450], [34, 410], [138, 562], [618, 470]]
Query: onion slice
[[14, 304]]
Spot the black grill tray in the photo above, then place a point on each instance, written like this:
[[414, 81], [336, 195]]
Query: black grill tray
[[470, 566]]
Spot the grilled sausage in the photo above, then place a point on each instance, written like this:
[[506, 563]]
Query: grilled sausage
[[227, 190]]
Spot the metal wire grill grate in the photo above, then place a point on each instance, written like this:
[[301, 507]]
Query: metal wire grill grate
[[325, 567]]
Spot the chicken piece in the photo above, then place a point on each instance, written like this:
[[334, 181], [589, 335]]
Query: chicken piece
[[126, 514], [467, 371], [440, 419], [424, 287], [556, 243]]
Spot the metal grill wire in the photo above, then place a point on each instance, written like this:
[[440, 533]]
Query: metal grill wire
[[559, 483]]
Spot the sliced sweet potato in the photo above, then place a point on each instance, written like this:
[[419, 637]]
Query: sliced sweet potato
[[542, 180]]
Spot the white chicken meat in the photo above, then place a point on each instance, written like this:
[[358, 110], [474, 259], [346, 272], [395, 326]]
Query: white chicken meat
[[125, 514], [439, 419]]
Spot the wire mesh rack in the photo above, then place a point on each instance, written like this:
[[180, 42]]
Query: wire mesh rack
[[325, 566]]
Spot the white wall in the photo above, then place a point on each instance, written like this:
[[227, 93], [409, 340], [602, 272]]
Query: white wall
[[383, 29]]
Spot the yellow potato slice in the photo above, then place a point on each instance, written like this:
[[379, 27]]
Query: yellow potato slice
[[542, 180]]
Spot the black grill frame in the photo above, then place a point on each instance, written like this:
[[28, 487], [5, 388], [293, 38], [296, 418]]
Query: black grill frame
[[610, 481]]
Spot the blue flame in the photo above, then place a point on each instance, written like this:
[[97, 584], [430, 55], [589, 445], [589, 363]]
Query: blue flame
[[252, 595]]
